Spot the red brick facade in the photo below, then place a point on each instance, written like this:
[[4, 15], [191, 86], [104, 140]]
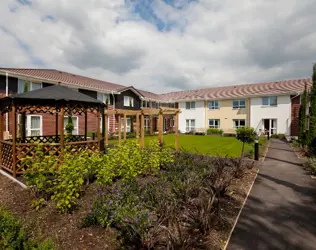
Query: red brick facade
[[295, 109]]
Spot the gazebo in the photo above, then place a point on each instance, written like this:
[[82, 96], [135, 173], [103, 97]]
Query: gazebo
[[57, 101]]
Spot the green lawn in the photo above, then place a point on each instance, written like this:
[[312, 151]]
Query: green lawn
[[211, 145]]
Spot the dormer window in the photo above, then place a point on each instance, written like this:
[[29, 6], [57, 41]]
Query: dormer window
[[128, 101]]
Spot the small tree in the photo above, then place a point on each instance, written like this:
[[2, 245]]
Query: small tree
[[312, 115], [69, 127], [302, 137], [245, 135]]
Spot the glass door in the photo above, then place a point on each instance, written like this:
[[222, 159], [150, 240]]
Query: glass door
[[273, 127]]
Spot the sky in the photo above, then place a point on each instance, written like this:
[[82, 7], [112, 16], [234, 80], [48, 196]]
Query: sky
[[162, 45]]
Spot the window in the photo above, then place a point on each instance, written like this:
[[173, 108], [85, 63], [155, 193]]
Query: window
[[190, 125], [28, 86], [213, 104], [270, 101], [190, 105], [128, 101], [147, 124], [239, 123], [213, 123], [105, 98], [74, 122], [128, 125], [239, 104], [33, 125]]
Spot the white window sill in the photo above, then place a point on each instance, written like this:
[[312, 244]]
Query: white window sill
[[269, 106], [238, 108]]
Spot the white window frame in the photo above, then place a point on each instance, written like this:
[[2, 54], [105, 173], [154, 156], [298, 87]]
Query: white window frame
[[269, 101], [239, 106], [128, 100], [28, 128], [214, 122], [128, 124], [102, 97], [146, 124], [212, 105], [190, 105], [238, 120], [189, 127], [77, 124]]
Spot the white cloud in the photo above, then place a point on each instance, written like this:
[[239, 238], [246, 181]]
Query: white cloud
[[203, 43]]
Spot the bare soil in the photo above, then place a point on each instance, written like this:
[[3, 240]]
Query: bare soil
[[67, 233]]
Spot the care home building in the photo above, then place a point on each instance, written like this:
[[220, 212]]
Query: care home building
[[268, 107]]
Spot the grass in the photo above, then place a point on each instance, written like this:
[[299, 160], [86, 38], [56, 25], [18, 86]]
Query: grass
[[210, 145]]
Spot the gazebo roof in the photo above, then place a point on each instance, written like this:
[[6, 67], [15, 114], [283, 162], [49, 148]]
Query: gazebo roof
[[56, 93]]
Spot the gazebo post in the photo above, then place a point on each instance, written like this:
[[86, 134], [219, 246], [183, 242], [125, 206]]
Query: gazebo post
[[23, 127], [160, 128], [85, 125], [13, 139], [119, 128], [61, 127], [56, 126], [98, 130], [142, 129], [106, 130], [137, 126], [151, 124], [103, 128], [177, 131], [125, 121]]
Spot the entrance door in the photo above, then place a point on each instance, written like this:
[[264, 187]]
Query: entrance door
[[270, 126]]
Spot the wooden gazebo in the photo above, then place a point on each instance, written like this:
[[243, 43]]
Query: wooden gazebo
[[54, 100]]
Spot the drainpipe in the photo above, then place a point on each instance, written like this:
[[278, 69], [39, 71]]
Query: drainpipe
[[114, 125], [6, 94]]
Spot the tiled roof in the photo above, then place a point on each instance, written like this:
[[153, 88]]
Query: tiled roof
[[246, 90], [64, 77]]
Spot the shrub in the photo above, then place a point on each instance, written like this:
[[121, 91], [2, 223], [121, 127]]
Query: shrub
[[62, 183], [278, 136], [310, 165], [215, 131], [13, 236], [245, 135]]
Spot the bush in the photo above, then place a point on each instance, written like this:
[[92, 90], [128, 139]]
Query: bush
[[310, 165], [278, 136], [62, 183], [13, 236], [215, 131]]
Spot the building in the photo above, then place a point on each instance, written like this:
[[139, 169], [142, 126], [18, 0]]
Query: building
[[270, 107]]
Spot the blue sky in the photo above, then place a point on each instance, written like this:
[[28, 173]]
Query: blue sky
[[162, 45]]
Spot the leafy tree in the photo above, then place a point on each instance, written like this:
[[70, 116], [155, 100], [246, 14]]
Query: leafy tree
[[245, 135], [302, 119], [312, 115]]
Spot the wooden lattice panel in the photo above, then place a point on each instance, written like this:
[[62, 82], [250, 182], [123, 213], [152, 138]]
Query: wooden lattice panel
[[35, 109], [6, 156], [24, 150], [85, 145], [50, 139]]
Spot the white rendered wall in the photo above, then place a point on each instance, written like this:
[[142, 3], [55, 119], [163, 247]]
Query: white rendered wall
[[198, 114], [282, 112]]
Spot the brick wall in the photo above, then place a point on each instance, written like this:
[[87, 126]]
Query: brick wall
[[295, 109]]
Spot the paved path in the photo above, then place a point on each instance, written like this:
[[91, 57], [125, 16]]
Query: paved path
[[280, 212]]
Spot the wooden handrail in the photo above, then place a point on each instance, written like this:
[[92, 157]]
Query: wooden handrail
[[81, 142], [5, 142]]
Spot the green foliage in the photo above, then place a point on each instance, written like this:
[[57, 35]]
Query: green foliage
[[69, 127], [310, 165], [14, 237], [302, 119], [278, 136], [215, 131], [128, 160], [62, 183], [245, 135], [312, 115]]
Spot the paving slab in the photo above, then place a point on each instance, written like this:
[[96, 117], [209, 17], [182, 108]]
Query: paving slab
[[280, 212]]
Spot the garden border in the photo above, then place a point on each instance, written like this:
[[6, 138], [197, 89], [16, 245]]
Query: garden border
[[13, 179]]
